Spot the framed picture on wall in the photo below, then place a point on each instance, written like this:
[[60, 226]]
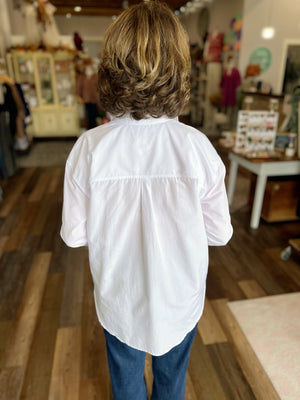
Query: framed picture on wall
[[290, 67]]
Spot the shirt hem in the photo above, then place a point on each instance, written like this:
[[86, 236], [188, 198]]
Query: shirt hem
[[147, 349]]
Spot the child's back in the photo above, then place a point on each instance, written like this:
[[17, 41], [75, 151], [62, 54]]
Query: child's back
[[154, 202], [146, 194]]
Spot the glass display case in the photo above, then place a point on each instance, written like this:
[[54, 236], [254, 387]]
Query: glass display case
[[64, 82], [45, 77], [24, 71], [48, 83]]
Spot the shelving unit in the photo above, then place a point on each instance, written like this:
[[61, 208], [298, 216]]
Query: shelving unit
[[206, 78], [198, 94], [48, 83]]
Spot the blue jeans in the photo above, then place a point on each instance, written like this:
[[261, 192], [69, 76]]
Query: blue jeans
[[126, 367]]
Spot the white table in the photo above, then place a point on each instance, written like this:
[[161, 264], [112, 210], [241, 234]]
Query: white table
[[262, 169]]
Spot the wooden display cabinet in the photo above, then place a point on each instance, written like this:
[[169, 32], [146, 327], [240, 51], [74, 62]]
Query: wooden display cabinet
[[48, 83]]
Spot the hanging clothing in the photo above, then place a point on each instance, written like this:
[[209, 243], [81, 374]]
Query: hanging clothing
[[27, 119], [214, 77], [231, 80], [7, 154], [86, 88], [10, 106], [20, 128], [1, 94]]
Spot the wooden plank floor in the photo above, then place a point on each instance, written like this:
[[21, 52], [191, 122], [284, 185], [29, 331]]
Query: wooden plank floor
[[51, 344]]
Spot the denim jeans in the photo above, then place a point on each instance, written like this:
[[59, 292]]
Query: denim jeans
[[126, 367]]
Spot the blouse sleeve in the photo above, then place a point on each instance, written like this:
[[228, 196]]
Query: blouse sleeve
[[76, 197], [216, 211], [213, 195]]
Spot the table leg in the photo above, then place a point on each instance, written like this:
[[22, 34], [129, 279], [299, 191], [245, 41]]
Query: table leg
[[258, 200], [231, 180]]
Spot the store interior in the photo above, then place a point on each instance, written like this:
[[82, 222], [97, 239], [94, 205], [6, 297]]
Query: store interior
[[245, 96]]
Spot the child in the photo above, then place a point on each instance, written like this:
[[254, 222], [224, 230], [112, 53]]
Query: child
[[146, 194]]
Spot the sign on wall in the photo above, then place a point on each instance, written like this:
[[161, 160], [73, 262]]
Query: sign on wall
[[262, 57]]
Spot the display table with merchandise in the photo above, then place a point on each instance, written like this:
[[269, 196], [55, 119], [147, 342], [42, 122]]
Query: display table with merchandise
[[263, 168]]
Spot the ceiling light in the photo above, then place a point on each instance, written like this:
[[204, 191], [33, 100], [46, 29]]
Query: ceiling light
[[182, 9], [77, 9], [68, 15], [268, 32]]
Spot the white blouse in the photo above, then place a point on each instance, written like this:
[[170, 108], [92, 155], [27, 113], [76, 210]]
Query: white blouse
[[147, 197]]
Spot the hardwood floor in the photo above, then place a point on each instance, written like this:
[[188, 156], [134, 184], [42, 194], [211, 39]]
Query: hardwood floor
[[51, 344]]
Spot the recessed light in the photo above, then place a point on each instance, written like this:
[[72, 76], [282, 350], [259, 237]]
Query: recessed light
[[77, 9]]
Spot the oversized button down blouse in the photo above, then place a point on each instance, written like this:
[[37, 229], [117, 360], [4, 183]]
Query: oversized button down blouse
[[147, 197]]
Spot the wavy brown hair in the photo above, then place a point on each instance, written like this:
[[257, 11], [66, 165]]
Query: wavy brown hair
[[145, 63]]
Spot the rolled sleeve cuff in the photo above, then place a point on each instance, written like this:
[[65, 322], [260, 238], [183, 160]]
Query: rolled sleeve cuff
[[73, 238]]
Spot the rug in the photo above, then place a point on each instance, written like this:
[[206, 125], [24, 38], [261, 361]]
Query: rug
[[46, 153]]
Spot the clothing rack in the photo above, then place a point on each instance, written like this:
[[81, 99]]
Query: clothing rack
[[7, 154]]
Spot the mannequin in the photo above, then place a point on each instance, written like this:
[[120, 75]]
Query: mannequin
[[214, 46], [212, 56], [231, 80], [86, 90]]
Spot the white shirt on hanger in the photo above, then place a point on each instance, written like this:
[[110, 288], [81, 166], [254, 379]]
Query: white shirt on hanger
[[147, 197]]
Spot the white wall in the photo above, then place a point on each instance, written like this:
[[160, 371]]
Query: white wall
[[86, 26], [221, 13], [16, 19], [190, 25], [285, 17]]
